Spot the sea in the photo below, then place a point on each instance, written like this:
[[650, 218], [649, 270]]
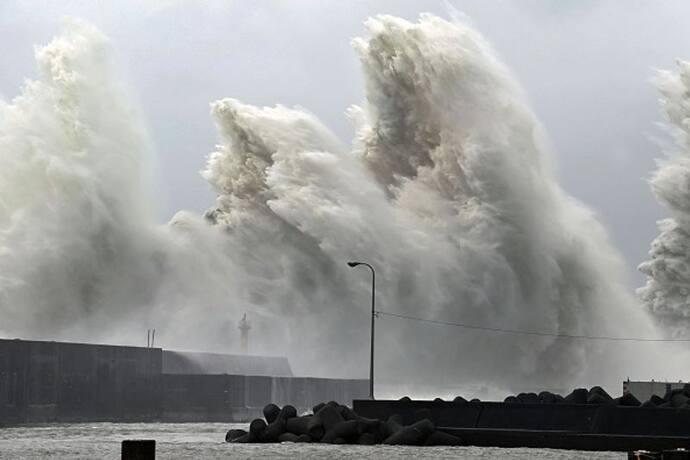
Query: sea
[[207, 441]]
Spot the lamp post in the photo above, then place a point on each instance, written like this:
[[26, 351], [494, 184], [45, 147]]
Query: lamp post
[[373, 315]]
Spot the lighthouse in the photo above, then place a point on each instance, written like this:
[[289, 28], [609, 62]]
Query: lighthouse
[[244, 327]]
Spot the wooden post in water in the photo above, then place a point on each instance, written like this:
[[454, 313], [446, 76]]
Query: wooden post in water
[[139, 449]]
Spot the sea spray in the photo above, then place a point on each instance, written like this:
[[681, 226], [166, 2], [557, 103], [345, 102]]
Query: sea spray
[[72, 204], [467, 223], [447, 192], [81, 257], [666, 293]]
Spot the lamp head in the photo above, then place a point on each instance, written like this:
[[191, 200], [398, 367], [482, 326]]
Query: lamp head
[[354, 264]]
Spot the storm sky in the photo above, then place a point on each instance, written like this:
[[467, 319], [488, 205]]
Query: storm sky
[[586, 67]]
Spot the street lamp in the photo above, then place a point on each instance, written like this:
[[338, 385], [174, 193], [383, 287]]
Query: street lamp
[[373, 315]]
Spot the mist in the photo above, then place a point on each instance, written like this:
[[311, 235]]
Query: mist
[[666, 293], [447, 189]]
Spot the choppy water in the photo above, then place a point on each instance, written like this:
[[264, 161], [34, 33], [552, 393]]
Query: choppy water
[[206, 441]]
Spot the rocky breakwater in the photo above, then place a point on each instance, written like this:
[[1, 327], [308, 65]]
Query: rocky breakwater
[[334, 423], [678, 398]]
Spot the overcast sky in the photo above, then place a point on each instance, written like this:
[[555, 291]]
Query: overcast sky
[[585, 65]]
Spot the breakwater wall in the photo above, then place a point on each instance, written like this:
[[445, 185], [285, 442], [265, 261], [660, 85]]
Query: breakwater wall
[[240, 398], [45, 382], [599, 427]]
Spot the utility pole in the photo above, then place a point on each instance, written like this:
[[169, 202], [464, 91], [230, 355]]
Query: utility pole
[[373, 317]]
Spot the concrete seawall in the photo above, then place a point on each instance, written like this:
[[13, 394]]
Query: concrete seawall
[[54, 381], [559, 426], [240, 398], [44, 382]]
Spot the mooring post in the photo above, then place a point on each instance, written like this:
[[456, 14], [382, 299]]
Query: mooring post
[[139, 449]]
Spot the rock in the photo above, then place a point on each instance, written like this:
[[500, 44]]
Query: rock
[[271, 412], [628, 399], [318, 407], [439, 438], [288, 437], [347, 429], [528, 398], [256, 430], [596, 398], [347, 414], [366, 439], [298, 425], [475, 400], [578, 396], [234, 434], [601, 392], [392, 425], [412, 435], [679, 400], [315, 428], [304, 438], [459, 400], [546, 397], [372, 426], [287, 412], [511, 400], [671, 393], [329, 437], [405, 399], [657, 400], [328, 416], [437, 400], [273, 431]]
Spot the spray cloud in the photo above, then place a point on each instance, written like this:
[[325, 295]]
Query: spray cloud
[[667, 291], [447, 192]]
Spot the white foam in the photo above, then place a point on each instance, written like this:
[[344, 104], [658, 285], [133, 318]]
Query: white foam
[[447, 192]]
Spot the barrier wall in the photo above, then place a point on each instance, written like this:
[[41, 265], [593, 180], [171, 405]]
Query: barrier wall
[[185, 362], [575, 418], [53, 381], [554, 426], [239, 398], [42, 382]]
